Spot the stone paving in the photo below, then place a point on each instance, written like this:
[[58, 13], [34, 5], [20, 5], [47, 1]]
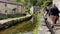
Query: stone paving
[[43, 29]]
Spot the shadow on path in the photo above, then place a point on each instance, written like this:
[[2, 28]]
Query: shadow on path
[[49, 27]]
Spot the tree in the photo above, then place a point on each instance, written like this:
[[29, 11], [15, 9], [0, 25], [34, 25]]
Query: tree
[[33, 2], [40, 2], [18, 0], [28, 5], [21, 1]]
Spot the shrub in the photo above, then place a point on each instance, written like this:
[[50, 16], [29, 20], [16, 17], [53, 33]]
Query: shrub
[[11, 16]]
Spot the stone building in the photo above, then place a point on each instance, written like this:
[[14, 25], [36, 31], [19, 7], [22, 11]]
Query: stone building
[[34, 9], [8, 7]]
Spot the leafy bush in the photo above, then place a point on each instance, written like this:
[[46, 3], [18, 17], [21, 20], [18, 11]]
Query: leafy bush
[[3, 17], [11, 16]]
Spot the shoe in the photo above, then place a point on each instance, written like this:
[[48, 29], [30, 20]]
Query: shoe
[[52, 26]]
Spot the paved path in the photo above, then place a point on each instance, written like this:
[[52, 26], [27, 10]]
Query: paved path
[[57, 30], [42, 28]]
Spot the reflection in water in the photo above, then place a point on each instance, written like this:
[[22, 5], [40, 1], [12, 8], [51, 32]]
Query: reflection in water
[[22, 27]]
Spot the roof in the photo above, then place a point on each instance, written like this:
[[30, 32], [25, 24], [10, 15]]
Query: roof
[[10, 2]]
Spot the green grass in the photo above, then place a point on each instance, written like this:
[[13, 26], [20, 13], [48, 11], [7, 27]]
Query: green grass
[[37, 24], [10, 16]]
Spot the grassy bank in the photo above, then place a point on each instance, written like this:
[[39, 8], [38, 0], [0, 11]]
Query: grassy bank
[[35, 31], [37, 22], [3, 16]]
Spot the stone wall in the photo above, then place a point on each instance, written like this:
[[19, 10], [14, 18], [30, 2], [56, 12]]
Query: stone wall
[[14, 21], [11, 9]]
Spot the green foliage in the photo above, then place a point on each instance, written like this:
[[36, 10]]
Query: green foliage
[[18, 0], [11, 16], [45, 4], [37, 22], [40, 2], [3, 17], [23, 2], [29, 3], [33, 2]]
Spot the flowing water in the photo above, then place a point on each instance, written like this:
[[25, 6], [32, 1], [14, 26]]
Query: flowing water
[[26, 26]]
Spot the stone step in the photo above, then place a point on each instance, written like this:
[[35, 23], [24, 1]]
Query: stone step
[[43, 32]]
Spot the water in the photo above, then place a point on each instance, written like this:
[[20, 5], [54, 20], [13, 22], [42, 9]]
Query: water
[[26, 26]]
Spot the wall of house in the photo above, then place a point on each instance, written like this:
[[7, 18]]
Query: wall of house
[[2, 7], [11, 9]]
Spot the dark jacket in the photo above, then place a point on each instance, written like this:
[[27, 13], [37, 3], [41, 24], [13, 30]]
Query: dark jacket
[[54, 11]]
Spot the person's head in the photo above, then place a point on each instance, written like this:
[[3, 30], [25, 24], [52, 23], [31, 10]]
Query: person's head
[[54, 5]]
